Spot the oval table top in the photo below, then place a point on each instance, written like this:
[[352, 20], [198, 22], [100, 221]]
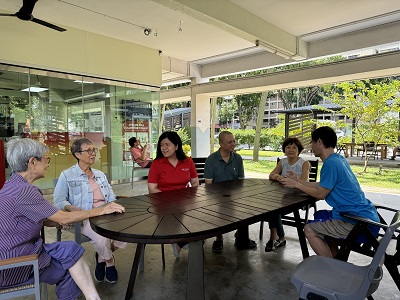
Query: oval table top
[[199, 212]]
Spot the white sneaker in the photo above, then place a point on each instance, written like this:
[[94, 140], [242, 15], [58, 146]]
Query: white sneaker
[[175, 250]]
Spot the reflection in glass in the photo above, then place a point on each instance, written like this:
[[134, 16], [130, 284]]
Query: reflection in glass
[[56, 108]]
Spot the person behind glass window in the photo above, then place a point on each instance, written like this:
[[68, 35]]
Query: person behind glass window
[[140, 153]]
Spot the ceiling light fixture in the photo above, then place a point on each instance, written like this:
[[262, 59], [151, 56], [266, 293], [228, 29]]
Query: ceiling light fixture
[[273, 49], [34, 89], [82, 81]]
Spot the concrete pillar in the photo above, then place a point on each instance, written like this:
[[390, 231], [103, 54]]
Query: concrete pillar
[[200, 117], [200, 126]]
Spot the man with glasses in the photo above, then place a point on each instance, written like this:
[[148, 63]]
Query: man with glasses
[[82, 188], [340, 189]]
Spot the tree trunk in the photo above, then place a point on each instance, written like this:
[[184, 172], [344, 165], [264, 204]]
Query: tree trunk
[[213, 117], [260, 118], [161, 119]]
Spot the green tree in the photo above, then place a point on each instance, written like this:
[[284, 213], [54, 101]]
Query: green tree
[[374, 108], [226, 111], [247, 107], [288, 97]]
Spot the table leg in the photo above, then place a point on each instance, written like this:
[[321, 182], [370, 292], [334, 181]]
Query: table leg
[[300, 232], [195, 272], [141, 263], [346, 153], [135, 266]]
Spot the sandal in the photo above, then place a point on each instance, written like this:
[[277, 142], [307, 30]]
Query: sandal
[[273, 244]]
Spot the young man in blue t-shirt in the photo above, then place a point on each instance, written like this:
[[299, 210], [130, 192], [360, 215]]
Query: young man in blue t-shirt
[[340, 189]]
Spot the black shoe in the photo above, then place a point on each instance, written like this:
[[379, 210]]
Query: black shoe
[[100, 268], [218, 246], [249, 245], [111, 274], [272, 245]]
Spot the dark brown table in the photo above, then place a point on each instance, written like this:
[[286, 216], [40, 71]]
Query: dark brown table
[[198, 213]]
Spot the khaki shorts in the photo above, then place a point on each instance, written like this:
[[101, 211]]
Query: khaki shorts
[[334, 228]]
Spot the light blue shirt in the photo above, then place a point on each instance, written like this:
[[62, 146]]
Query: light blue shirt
[[345, 192], [73, 188]]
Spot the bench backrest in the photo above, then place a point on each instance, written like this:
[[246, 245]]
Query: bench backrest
[[199, 163]]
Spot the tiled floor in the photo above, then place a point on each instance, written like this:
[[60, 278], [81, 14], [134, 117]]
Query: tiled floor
[[246, 274]]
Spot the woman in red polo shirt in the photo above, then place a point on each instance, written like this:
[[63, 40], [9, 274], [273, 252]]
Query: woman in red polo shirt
[[171, 170]]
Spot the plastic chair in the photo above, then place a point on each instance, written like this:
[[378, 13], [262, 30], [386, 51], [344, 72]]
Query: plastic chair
[[361, 240], [289, 220], [325, 278]]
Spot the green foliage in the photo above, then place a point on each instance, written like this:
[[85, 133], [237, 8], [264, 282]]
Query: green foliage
[[374, 107], [269, 137], [226, 110], [247, 106], [184, 134]]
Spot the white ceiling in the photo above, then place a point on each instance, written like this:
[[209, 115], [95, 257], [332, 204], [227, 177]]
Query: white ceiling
[[218, 36]]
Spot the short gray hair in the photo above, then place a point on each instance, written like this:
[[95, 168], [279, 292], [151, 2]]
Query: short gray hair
[[77, 145], [20, 150]]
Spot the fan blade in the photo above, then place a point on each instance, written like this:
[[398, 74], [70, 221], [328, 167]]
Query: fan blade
[[7, 15], [44, 23]]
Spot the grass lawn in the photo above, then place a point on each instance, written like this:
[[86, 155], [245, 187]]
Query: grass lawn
[[388, 178], [261, 153]]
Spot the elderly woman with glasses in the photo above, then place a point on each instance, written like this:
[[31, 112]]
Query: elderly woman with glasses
[[83, 188], [24, 211]]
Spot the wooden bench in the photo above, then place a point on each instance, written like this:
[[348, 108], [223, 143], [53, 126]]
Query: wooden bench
[[199, 163]]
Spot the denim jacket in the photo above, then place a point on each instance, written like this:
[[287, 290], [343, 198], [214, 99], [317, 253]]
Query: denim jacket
[[73, 188]]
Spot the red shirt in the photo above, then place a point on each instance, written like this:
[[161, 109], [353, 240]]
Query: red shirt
[[169, 177]]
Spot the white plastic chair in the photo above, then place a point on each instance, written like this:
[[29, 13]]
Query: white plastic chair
[[325, 278]]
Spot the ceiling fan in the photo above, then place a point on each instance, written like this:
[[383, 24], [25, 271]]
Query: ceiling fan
[[25, 14]]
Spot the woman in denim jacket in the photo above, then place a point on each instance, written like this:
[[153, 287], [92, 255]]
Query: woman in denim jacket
[[82, 188]]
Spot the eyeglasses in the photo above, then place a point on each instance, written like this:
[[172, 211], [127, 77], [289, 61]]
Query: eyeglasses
[[89, 151]]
